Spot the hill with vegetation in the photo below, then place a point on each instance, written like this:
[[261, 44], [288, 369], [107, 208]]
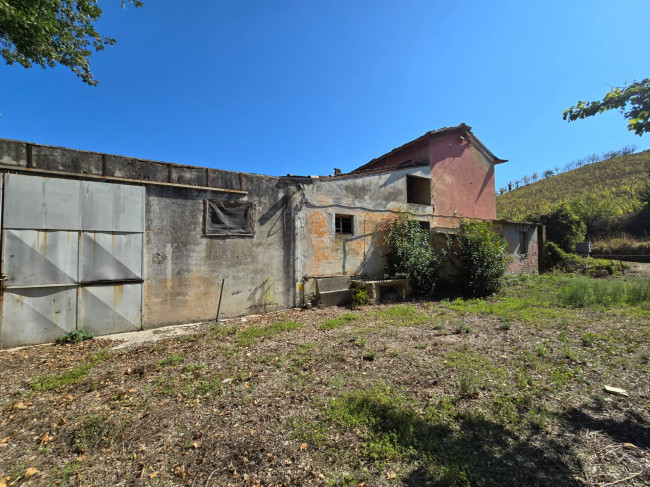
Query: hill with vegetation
[[605, 195]]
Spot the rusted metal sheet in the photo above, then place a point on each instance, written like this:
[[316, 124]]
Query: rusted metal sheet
[[112, 207], [97, 206], [37, 257], [58, 276], [24, 202], [111, 256], [37, 315], [37, 203], [129, 208], [62, 204], [111, 308]]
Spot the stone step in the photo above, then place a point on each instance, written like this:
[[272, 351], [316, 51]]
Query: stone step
[[341, 297], [333, 283]]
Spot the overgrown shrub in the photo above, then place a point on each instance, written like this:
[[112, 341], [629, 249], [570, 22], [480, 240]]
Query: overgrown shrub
[[411, 256], [563, 227], [75, 336], [483, 257], [556, 258], [359, 297]]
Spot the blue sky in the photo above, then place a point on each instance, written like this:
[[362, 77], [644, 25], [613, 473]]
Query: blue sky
[[303, 86]]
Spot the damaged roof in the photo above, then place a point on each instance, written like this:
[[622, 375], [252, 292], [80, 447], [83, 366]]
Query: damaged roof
[[463, 129]]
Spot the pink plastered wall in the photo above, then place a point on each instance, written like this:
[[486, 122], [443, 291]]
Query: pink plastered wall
[[462, 180]]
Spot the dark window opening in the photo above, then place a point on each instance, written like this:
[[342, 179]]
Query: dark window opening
[[228, 217], [523, 243], [418, 190], [425, 225], [343, 224]]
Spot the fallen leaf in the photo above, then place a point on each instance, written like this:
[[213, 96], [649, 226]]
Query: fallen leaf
[[180, 471], [303, 447], [20, 405], [196, 444], [630, 445], [45, 438], [30, 472], [391, 475], [155, 474]]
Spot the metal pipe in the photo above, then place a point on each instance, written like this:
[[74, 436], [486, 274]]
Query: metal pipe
[[220, 294]]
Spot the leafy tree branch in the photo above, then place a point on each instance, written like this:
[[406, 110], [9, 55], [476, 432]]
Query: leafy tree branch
[[47, 32], [632, 101]]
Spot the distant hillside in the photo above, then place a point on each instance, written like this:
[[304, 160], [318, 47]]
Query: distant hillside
[[602, 190]]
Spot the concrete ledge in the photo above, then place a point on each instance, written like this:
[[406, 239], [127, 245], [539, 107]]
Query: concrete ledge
[[384, 290]]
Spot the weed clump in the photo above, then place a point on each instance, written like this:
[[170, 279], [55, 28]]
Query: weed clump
[[584, 292], [359, 298], [75, 336], [556, 258]]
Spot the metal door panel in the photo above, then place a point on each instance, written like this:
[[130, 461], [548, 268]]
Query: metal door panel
[[111, 256], [62, 203], [39, 315], [36, 257], [24, 202], [110, 309], [129, 208], [97, 206]]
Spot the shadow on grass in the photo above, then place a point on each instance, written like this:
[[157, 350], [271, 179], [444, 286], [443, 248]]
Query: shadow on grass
[[474, 451], [634, 429]]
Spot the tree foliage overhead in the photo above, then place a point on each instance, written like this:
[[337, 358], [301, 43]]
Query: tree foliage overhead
[[47, 32], [632, 101]]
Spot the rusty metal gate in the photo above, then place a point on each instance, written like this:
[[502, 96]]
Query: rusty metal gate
[[71, 258]]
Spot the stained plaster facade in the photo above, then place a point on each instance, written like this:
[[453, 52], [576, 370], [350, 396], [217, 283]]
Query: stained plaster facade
[[294, 224]]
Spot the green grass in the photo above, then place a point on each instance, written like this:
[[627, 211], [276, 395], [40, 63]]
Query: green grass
[[584, 292], [173, 359], [250, 335], [69, 377], [403, 315], [342, 320]]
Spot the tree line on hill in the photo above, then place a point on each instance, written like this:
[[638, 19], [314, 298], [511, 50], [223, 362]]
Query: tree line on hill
[[578, 163]]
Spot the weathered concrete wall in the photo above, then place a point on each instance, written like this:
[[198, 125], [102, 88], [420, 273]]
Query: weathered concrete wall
[[372, 200], [462, 181], [523, 259], [184, 267]]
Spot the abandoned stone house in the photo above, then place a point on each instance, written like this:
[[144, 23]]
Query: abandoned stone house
[[108, 243]]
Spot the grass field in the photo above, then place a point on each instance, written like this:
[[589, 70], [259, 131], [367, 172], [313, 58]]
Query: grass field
[[610, 186], [505, 392]]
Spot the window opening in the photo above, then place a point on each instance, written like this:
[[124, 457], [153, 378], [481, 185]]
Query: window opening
[[343, 224], [418, 190], [226, 217], [523, 242]]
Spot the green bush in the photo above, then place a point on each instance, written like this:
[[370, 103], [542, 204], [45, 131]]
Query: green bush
[[483, 257], [411, 256], [75, 336], [556, 258], [359, 297], [563, 227]]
